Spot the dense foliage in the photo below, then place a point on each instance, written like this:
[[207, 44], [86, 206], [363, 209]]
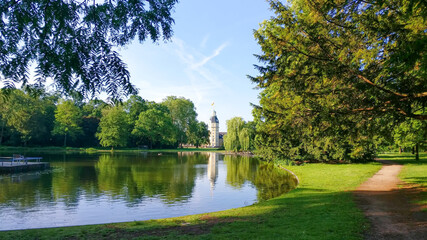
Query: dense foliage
[[337, 75], [44, 119], [67, 120], [240, 135], [183, 116], [73, 42]]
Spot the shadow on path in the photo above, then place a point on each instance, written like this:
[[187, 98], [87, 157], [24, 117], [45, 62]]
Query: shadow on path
[[388, 208]]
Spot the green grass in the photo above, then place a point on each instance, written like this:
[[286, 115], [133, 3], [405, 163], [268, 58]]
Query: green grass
[[322, 207], [413, 172]]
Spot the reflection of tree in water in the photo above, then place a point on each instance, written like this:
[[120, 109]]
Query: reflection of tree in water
[[168, 177], [112, 173], [131, 177], [269, 180], [272, 181], [25, 190], [76, 177], [239, 169], [65, 183]]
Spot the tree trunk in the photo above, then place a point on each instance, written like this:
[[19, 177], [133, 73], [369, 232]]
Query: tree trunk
[[413, 150], [417, 155], [65, 140], [112, 148], [400, 150]]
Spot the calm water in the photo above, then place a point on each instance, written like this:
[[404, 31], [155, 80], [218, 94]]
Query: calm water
[[104, 188]]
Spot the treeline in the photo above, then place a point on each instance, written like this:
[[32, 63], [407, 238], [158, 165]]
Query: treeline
[[34, 117], [410, 135]]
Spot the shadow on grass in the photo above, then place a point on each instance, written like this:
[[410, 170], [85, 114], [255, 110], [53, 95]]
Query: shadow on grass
[[417, 180], [302, 214], [404, 158]]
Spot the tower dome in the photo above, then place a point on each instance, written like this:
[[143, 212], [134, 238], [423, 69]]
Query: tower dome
[[214, 118]]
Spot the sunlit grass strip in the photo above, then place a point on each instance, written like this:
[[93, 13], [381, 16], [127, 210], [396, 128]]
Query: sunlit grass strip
[[322, 207], [413, 172]]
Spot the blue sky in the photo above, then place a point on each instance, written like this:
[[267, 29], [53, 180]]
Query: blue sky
[[207, 59]]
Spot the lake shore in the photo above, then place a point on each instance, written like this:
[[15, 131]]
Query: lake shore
[[9, 149], [322, 207]]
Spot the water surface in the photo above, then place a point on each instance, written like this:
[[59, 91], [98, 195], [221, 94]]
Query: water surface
[[103, 188]]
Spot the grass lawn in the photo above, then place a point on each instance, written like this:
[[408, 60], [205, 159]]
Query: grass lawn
[[322, 207], [413, 172]]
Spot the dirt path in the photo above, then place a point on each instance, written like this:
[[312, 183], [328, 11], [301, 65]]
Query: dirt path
[[388, 208]]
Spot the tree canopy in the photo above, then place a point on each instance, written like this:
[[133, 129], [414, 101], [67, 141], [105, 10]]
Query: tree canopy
[[155, 125], [239, 135], [199, 134], [67, 120], [73, 42], [183, 115], [335, 71], [113, 127]]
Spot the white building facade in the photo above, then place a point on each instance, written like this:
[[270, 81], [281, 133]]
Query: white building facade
[[214, 131]]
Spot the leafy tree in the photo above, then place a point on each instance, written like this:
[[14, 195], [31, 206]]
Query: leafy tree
[[113, 127], [183, 115], [251, 127], [93, 108], [73, 41], [199, 134], [134, 106], [156, 126], [68, 119], [24, 114], [334, 71], [244, 139], [411, 133], [3, 115], [232, 139], [89, 127], [92, 113]]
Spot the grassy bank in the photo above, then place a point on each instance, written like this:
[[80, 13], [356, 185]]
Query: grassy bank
[[413, 172], [322, 207]]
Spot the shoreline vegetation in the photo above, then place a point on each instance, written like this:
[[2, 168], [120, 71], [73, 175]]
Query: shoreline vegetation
[[101, 149]]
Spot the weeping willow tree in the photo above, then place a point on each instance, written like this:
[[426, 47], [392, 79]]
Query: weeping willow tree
[[244, 139], [238, 136]]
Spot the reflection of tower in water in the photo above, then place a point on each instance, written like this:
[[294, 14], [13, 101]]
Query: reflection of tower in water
[[212, 170]]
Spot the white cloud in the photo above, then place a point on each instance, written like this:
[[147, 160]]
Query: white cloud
[[204, 41], [202, 74], [208, 58]]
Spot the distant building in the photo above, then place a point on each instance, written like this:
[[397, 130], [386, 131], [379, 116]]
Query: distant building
[[216, 138], [214, 131]]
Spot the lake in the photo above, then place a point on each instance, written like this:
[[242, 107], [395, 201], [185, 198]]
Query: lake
[[99, 188]]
